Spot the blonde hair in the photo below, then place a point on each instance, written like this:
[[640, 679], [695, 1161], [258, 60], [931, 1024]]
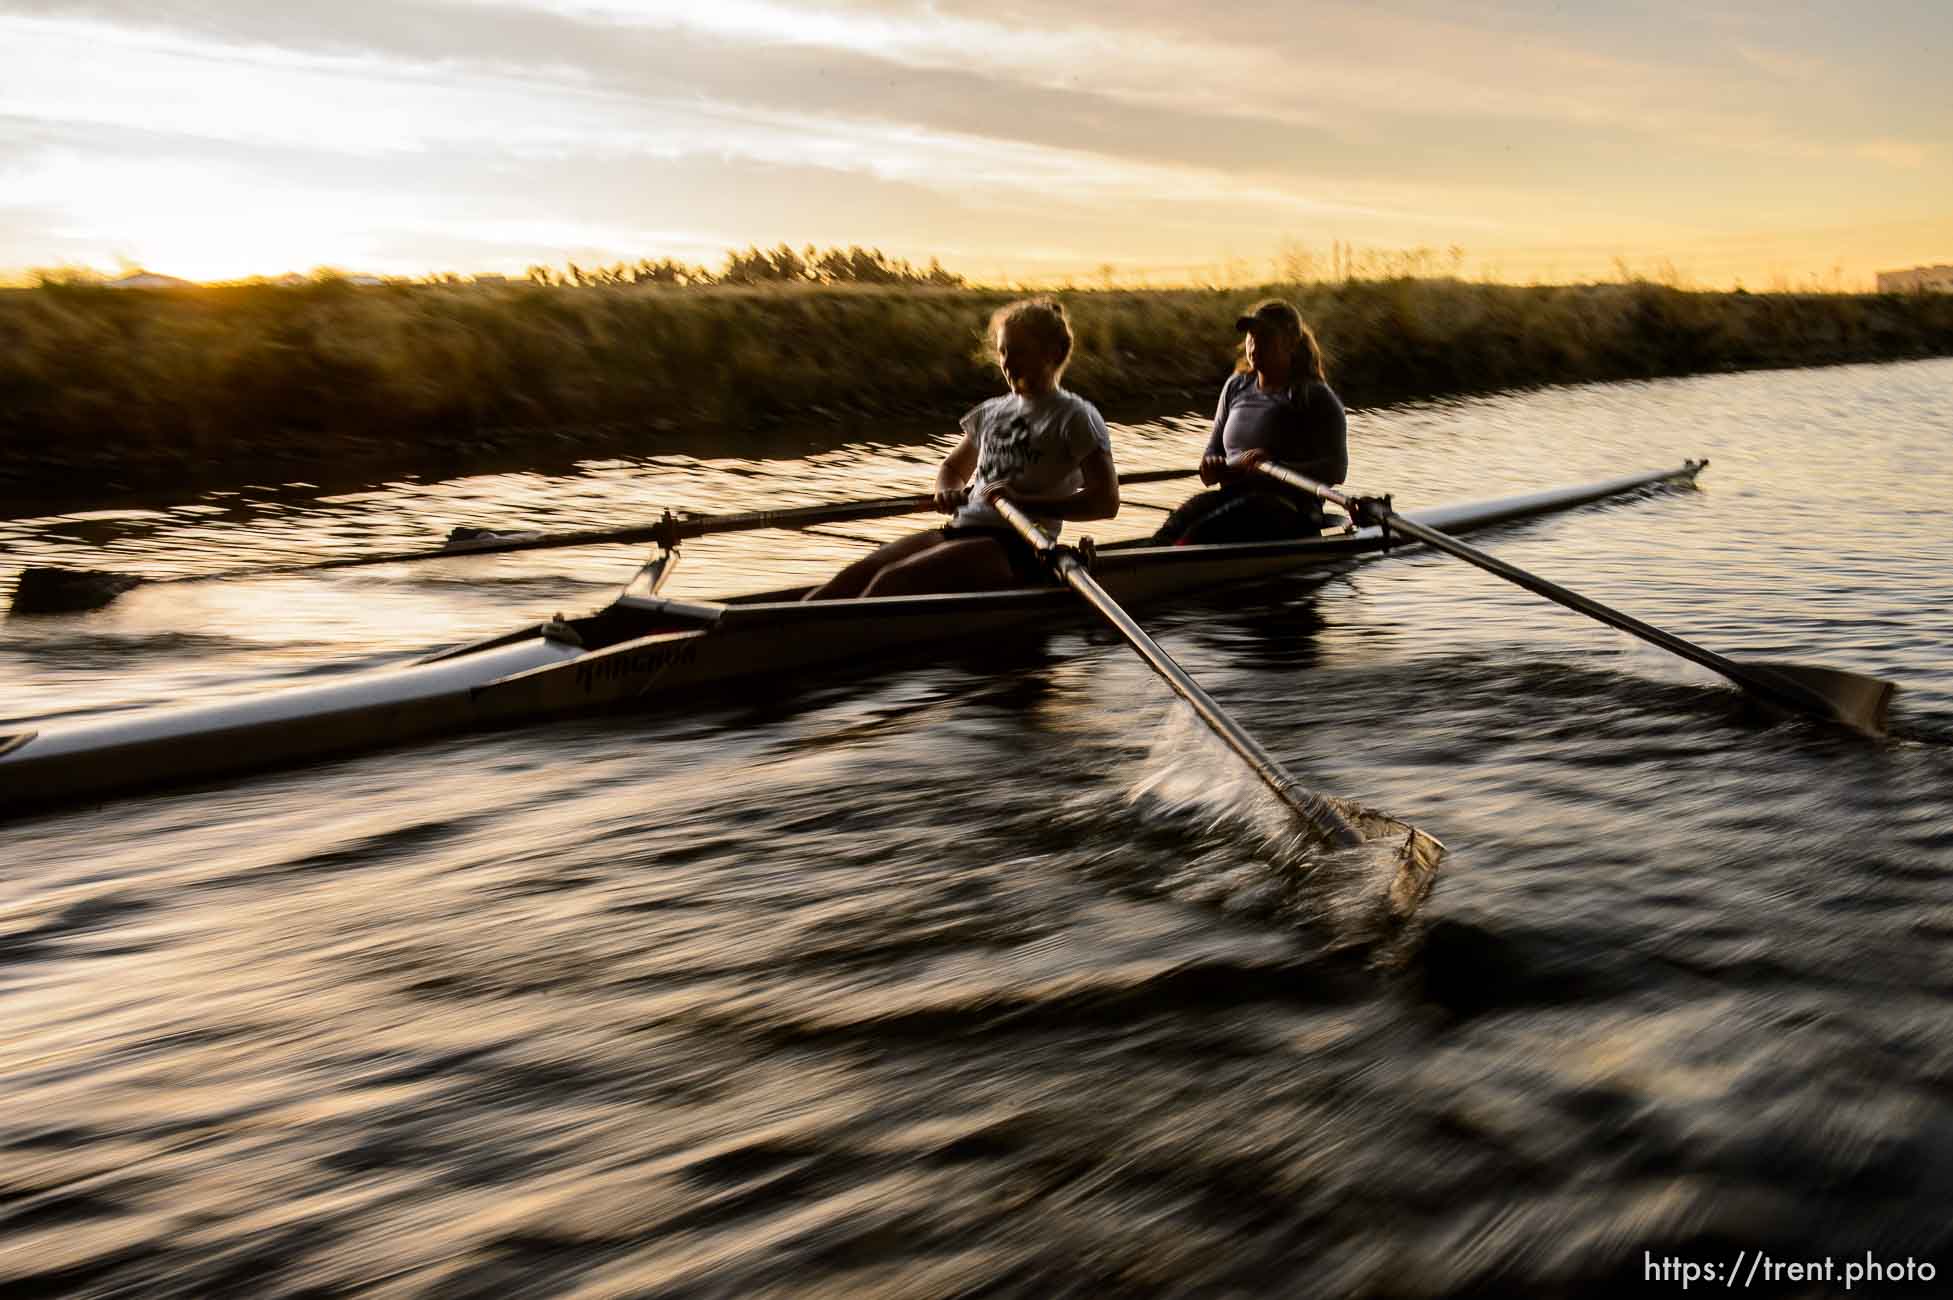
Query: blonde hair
[[1044, 316]]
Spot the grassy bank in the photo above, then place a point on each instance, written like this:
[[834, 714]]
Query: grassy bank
[[102, 390]]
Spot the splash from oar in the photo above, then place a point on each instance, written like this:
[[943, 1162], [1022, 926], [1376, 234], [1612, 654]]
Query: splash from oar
[[1338, 822]]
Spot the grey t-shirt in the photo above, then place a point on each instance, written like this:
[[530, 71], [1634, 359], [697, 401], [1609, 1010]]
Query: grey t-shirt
[[1038, 445], [1303, 426]]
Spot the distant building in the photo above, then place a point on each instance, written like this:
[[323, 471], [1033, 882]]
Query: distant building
[[1919, 279], [149, 280]]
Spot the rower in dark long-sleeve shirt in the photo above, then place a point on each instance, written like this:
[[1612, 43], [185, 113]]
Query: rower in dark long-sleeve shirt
[[1279, 407], [1300, 424]]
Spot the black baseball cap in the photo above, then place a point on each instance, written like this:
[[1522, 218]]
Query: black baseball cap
[[1271, 311]]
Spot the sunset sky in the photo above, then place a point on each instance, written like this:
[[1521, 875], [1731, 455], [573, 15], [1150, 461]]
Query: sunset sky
[[1765, 141]]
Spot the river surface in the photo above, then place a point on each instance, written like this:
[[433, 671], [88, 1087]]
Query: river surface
[[997, 978]]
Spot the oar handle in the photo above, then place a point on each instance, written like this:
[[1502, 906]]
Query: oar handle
[[1362, 510], [1370, 510]]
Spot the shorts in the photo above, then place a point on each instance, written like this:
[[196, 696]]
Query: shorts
[[1026, 565], [1239, 513]]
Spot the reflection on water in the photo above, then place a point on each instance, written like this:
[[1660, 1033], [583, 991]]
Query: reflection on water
[[996, 975]]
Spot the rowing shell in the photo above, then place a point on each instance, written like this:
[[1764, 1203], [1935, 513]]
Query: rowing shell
[[647, 648]]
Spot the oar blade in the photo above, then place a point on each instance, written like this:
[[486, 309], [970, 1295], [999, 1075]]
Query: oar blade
[[1854, 700], [1417, 853], [67, 591], [1851, 700]]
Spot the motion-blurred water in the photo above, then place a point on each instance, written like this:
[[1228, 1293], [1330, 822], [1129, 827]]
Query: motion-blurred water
[[986, 978]]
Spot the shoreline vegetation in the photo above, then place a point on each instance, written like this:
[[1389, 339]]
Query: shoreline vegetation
[[105, 392]]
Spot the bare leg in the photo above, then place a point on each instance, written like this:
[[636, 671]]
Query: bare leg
[[853, 580], [967, 564]]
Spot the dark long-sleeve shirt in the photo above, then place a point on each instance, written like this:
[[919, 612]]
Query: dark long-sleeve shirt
[[1303, 426]]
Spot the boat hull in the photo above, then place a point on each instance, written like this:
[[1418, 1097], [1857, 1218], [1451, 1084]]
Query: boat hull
[[364, 711], [775, 634], [647, 649]]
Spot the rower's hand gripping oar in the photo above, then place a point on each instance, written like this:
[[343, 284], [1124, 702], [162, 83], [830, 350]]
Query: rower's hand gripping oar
[[53, 590], [1334, 820], [1849, 699]]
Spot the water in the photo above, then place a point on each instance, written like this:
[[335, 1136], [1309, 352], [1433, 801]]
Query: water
[[991, 979]]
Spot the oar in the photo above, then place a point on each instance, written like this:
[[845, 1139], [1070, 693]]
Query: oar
[[1334, 820], [1849, 699], [55, 590]]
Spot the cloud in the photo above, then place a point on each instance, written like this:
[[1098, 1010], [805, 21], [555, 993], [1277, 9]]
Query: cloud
[[1112, 130], [668, 93], [423, 76], [222, 207], [1155, 81]]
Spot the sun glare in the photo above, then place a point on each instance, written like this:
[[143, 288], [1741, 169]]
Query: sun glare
[[201, 224]]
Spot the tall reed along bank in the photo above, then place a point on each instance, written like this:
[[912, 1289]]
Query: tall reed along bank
[[104, 391]]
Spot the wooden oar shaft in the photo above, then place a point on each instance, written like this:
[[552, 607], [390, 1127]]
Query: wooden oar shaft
[[668, 531], [1780, 691], [50, 589], [673, 529], [1310, 807], [802, 516]]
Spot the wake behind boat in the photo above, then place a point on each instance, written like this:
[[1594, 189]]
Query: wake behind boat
[[648, 649]]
